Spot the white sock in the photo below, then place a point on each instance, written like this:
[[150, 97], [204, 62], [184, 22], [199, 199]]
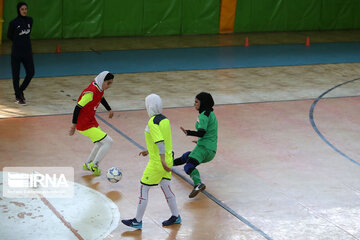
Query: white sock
[[94, 151], [104, 149], [143, 200], [170, 197]]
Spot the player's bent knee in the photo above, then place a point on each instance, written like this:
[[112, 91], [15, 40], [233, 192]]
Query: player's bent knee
[[108, 140], [185, 156], [111, 141], [181, 160], [189, 167]]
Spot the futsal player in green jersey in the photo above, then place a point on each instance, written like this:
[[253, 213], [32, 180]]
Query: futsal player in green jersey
[[206, 145], [158, 170]]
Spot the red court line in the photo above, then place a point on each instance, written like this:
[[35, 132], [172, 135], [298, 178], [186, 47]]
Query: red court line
[[61, 217]]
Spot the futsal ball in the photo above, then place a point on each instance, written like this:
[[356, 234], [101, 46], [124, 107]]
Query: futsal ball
[[114, 174]]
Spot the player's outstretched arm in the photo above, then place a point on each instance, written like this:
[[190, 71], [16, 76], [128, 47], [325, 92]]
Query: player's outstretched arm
[[182, 129], [199, 133]]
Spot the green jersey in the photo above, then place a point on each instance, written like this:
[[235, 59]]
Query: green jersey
[[210, 125]]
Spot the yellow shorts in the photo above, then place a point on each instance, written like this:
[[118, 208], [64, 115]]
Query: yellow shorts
[[154, 174], [94, 133]]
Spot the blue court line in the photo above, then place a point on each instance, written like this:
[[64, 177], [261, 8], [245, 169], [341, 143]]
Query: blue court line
[[120, 132], [223, 205], [213, 198], [311, 117], [155, 60]]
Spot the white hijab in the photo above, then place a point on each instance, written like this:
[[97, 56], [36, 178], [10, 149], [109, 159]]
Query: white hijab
[[153, 104], [100, 79]]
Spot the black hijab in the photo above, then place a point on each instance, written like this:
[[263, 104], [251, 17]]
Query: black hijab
[[206, 102], [19, 5]]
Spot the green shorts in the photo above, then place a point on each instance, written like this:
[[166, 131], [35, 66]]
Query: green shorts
[[154, 174], [94, 133], [202, 154]]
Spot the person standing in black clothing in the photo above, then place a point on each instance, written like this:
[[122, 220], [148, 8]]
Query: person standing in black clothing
[[21, 52]]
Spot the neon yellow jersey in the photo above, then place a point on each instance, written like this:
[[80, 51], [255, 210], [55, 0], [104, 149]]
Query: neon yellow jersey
[[159, 130]]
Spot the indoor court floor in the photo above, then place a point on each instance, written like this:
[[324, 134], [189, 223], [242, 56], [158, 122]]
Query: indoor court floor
[[287, 165]]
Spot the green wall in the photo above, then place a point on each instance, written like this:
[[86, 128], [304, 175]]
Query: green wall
[[99, 18], [295, 15]]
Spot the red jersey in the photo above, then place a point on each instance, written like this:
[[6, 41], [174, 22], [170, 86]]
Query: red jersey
[[86, 117]]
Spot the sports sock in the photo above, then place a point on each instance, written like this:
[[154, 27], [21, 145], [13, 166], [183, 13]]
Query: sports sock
[[104, 149], [94, 151], [195, 176], [170, 197], [143, 200]]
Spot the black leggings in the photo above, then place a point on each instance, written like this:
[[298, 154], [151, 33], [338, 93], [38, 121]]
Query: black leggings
[[28, 62]]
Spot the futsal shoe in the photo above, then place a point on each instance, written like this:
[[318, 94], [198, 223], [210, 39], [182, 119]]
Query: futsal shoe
[[132, 223], [172, 220], [87, 166], [95, 170], [198, 188]]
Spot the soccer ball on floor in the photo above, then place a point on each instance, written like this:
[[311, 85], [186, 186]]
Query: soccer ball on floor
[[114, 174]]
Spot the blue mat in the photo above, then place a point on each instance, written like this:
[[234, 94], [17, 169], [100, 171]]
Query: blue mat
[[133, 61]]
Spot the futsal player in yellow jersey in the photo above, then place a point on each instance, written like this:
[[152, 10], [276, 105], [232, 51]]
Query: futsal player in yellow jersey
[[158, 170]]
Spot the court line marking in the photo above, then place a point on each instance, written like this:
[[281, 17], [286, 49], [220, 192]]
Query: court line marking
[[210, 196], [179, 107], [312, 121], [61, 217]]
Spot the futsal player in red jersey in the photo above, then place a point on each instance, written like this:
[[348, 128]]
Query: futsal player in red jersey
[[84, 120]]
